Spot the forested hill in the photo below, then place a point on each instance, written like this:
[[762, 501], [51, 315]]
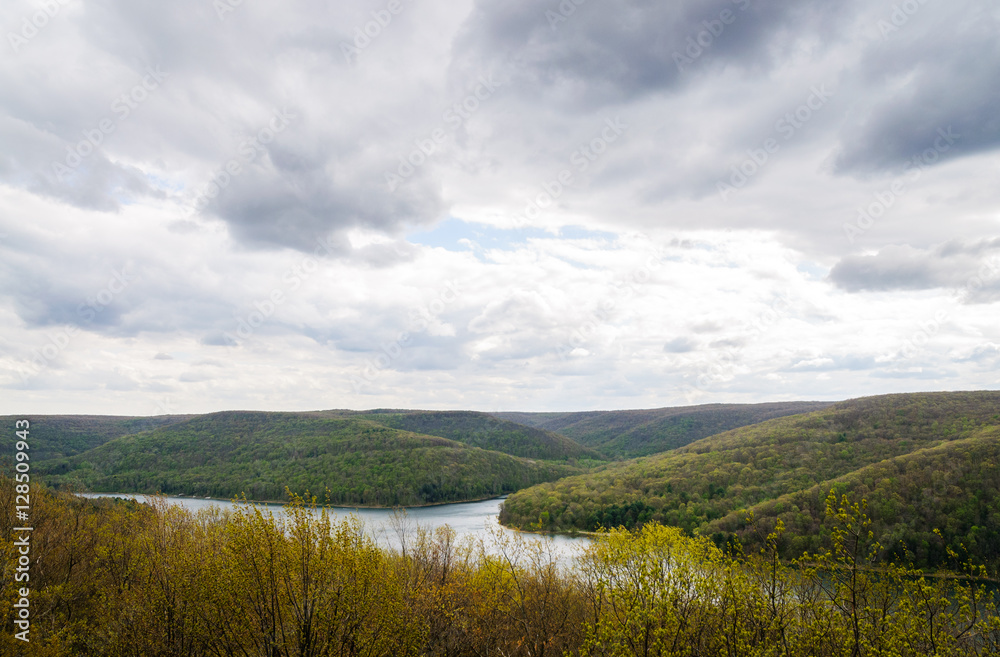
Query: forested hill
[[55, 436], [488, 432], [924, 461], [358, 459], [628, 434]]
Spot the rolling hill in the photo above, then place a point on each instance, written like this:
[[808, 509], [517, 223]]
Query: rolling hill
[[634, 433], [55, 436], [953, 488], [358, 459], [488, 432], [928, 446]]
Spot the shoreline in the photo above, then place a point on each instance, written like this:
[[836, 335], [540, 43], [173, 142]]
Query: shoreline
[[932, 574], [577, 534], [236, 500]]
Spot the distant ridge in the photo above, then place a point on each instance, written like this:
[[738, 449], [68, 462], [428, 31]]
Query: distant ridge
[[632, 433], [55, 436], [488, 432], [347, 457]]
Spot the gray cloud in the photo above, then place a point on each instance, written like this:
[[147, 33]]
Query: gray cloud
[[728, 343], [294, 207], [217, 87], [531, 322], [611, 51], [920, 84], [893, 268], [680, 346], [96, 184], [986, 354], [972, 269]]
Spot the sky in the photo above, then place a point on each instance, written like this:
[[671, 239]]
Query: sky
[[495, 205]]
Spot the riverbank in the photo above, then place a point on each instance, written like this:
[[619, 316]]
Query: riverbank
[[237, 500]]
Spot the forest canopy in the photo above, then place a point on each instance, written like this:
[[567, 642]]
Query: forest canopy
[[926, 460], [115, 578]]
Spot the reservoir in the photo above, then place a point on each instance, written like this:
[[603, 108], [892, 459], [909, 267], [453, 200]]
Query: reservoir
[[468, 519]]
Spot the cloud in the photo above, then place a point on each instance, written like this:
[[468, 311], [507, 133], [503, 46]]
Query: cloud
[[293, 213], [851, 362], [97, 183], [893, 268], [972, 269], [905, 114], [603, 53], [680, 346], [219, 104]]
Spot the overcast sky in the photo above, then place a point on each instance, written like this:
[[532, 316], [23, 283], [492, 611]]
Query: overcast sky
[[495, 204]]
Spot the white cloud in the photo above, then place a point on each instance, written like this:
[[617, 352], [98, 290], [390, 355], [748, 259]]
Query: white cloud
[[561, 243]]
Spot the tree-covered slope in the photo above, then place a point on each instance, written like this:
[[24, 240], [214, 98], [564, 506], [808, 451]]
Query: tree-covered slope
[[718, 477], [54, 436], [488, 432], [358, 460], [551, 421], [633, 433], [953, 488]]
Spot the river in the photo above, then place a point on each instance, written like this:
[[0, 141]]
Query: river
[[475, 519]]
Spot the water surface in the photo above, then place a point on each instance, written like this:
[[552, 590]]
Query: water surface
[[474, 519]]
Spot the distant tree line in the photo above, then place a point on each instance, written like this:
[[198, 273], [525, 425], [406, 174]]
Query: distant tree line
[[349, 461]]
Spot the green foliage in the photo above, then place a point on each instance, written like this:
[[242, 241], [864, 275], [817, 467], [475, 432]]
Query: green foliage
[[925, 460], [117, 579], [485, 431], [58, 436], [629, 516], [630, 434], [923, 504], [355, 460]]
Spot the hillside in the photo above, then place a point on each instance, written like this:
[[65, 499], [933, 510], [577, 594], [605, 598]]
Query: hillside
[[358, 460], [706, 485], [953, 488], [488, 432], [634, 433], [551, 421], [55, 436]]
